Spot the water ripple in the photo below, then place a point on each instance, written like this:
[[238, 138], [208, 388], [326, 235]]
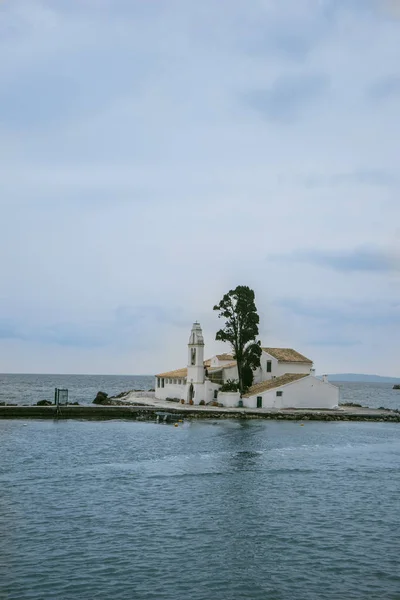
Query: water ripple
[[134, 510]]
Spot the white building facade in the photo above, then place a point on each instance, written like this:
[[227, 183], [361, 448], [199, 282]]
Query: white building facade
[[285, 379], [292, 390]]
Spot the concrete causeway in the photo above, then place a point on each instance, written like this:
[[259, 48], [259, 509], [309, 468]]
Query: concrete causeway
[[149, 413]]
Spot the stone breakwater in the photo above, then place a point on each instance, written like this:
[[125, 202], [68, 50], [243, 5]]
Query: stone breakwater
[[146, 413]]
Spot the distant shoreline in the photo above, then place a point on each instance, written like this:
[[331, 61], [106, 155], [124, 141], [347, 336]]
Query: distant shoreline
[[360, 378]]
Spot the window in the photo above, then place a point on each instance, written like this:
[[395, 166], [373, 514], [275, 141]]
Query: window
[[269, 366], [193, 356], [162, 382], [158, 382], [215, 394], [174, 381], [279, 393], [259, 401]]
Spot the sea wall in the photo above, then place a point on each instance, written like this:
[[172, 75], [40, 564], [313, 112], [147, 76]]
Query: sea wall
[[144, 413]]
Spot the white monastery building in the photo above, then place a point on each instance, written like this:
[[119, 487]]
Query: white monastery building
[[285, 379]]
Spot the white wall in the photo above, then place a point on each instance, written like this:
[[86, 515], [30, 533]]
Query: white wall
[[199, 392], [231, 373], [215, 362], [229, 399], [278, 369], [196, 373], [170, 390], [202, 391], [210, 387], [309, 392], [294, 367], [261, 373]]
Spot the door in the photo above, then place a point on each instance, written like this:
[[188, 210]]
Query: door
[[259, 401], [191, 393]]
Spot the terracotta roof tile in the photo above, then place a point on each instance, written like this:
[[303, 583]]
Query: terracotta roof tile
[[264, 386], [229, 365], [222, 367], [177, 374], [287, 355]]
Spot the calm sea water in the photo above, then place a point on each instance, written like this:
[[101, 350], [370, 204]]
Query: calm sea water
[[28, 389], [231, 510], [374, 395]]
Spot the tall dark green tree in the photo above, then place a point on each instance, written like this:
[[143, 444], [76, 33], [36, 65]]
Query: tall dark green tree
[[238, 308]]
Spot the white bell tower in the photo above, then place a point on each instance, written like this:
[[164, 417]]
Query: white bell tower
[[195, 368]]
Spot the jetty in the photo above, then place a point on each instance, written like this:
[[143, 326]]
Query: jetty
[[184, 412]]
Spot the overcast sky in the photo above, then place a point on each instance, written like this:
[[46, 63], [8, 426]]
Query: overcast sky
[[155, 154]]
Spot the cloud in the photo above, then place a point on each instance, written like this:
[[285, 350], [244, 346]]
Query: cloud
[[294, 46], [336, 333], [73, 74], [138, 326], [79, 335], [385, 88], [8, 329], [391, 6], [369, 260], [145, 171], [288, 97], [334, 341], [345, 313], [286, 32], [360, 177]]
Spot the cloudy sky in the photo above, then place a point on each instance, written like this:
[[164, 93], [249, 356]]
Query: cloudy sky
[[154, 154]]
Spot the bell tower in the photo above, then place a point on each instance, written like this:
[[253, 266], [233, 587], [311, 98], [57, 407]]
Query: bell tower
[[195, 368]]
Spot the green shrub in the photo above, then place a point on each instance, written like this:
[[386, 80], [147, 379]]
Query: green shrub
[[231, 385]]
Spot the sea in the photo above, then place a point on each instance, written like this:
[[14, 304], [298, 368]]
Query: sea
[[230, 509], [27, 389]]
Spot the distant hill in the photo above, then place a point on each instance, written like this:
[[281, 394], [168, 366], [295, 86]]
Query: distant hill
[[362, 378]]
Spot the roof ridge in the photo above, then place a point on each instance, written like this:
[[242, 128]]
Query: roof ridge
[[270, 384], [176, 373], [286, 354]]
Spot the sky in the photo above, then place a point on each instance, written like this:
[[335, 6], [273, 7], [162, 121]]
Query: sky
[[154, 155]]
